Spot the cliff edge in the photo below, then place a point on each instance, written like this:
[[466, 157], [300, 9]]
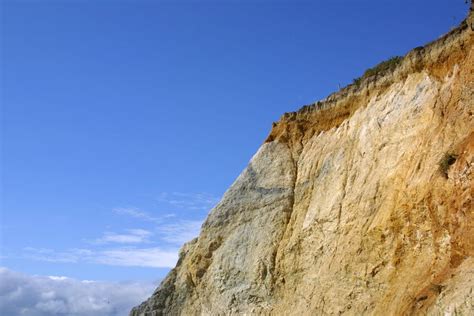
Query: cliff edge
[[360, 204]]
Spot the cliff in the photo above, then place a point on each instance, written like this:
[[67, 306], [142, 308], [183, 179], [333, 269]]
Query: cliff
[[360, 204]]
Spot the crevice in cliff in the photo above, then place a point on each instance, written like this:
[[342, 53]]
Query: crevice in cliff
[[278, 244]]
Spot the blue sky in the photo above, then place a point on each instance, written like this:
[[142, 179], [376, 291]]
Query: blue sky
[[123, 122]]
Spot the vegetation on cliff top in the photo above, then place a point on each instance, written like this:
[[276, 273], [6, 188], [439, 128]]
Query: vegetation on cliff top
[[383, 67]]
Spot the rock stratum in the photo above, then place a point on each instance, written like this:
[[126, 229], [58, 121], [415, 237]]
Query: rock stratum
[[360, 204]]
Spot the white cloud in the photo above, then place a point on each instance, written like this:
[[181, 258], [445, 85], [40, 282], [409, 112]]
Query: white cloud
[[165, 232], [180, 232], [131, 256], [133, 236], [136, 213], [189, 201], [57, 278], [148, 257], [21, 294], [175, 234]]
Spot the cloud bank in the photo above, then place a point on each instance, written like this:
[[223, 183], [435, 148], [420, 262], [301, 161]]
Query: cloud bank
[[21, 294]]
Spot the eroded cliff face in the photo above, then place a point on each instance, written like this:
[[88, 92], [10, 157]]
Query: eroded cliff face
[[360, 204]]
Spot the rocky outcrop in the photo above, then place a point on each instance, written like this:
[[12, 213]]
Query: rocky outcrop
[[360, 204]]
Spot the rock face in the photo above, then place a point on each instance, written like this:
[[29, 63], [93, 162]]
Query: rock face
[[361, 204]]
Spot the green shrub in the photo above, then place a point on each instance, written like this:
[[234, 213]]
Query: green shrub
[[382, 68], [357, 81]]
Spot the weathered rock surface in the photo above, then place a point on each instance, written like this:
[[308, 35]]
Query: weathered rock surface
[[361, 204]]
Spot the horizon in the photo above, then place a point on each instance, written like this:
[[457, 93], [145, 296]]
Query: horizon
[[124, 123]]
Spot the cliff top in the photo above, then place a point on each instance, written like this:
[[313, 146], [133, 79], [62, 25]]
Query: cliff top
[[298, 126]]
